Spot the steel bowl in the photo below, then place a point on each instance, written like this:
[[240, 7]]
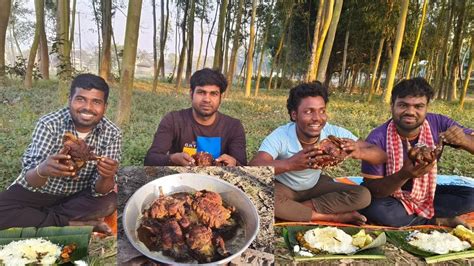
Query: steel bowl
[[231, 195]]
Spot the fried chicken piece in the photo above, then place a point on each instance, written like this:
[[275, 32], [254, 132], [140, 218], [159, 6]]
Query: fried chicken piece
[[199, 239], [172, 237], [422, 154], [333, 153], [79, 151], [167, 206], [203, 159], [208, 207]]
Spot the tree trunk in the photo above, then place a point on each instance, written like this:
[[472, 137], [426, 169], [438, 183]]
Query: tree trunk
[[274, 63], [329, 7], [17, 44], [155, 52], [248, 81], [375, 70], [128, 62], [4, 17], [396, 51], [64, 50], [198, 63], [229, 25], [220, 30], [209, 36], [106, 61], [43, 46], [329, 42], [163, 37], [344, 59], [116, 54], [97, 24], [235, 45], [39, 8], [468, 77], [190, 42], [457, 43], [314, 49], [262, 52], [418, 36], [441, 70], [182, 54]]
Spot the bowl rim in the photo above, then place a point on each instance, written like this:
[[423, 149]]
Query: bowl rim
[[191, 175]]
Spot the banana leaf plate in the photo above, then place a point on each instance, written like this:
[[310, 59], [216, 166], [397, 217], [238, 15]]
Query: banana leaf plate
[[372, 251], [399, 239], [62, 236]]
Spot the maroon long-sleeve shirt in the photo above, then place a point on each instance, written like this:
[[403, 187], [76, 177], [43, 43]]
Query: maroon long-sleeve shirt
[[178, 130]]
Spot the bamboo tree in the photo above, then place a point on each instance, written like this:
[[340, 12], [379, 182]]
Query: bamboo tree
[[43, 47], [182, 54], [344, 58], [323, 65], [456, 51], [235, 44], [65, 48], [418, 36], [468, 76], [329, 8], [164, 23], [314, 48], [262, 50], [274, 63], [396, 51], [198, 63], [248, 81], [220, 30], [4, 17], [209, 36], [190, 41], [442, 67], [106, 60], [229, 25], [128, 62], [375, 69], [39, 11], [155, 52]]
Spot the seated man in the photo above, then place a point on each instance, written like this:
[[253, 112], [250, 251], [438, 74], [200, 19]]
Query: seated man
[[201, 128], [404, 192], [48, 191], [303, 193]]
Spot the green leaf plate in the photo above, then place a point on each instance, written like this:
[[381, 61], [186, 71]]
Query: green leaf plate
[[372, 251], [80, 235], [399, 238]]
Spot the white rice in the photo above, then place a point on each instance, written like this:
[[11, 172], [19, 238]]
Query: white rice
[[330, 239], [26, 251], [439, 243]]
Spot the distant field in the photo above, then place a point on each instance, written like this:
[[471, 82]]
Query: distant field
[[20, 108]]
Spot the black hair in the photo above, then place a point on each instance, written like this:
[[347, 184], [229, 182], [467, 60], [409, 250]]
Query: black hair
[[207, 76], [89, 82], [304, 90], [416, 87]]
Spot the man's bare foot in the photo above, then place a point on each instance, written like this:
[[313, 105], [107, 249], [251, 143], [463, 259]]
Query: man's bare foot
[[99, 226], [451, 222], [345, 217]]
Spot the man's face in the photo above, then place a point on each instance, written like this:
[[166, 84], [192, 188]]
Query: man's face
[[206, 100], [87, 108], [310, 116], [408, 113]]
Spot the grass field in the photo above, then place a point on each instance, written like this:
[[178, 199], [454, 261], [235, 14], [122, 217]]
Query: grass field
[[20, 109]]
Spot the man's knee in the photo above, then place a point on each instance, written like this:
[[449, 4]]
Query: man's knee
[[361, 197]]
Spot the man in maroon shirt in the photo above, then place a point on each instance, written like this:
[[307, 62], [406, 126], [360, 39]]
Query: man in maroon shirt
[[201, 128]]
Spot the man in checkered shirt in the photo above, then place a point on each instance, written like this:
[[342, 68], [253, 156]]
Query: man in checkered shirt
[[405, 193], [50, 193]]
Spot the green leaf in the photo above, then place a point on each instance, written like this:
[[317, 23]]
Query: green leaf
[[372, 251], [79, 235]]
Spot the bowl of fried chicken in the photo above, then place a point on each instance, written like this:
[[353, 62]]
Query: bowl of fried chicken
[[186, 219]]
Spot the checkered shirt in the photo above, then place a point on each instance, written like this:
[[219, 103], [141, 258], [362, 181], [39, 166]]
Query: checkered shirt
[[47, 139]]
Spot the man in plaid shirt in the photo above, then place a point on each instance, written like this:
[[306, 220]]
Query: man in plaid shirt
[[50, 193], [405, 193]]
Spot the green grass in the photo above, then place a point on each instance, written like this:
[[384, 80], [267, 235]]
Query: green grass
[[20, 108]]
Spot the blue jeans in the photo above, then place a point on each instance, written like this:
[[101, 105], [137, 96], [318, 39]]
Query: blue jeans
[[449, 201]]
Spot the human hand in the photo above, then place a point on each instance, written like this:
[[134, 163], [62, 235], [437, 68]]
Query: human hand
[[454, 136], [107, 167], [411, 170], [304, 159], [51, 167], [182, 159], [226, 160], [352, 147]]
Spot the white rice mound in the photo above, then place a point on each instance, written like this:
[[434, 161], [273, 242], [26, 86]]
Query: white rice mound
[[439, 243], [330, 239], [22, 252]]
